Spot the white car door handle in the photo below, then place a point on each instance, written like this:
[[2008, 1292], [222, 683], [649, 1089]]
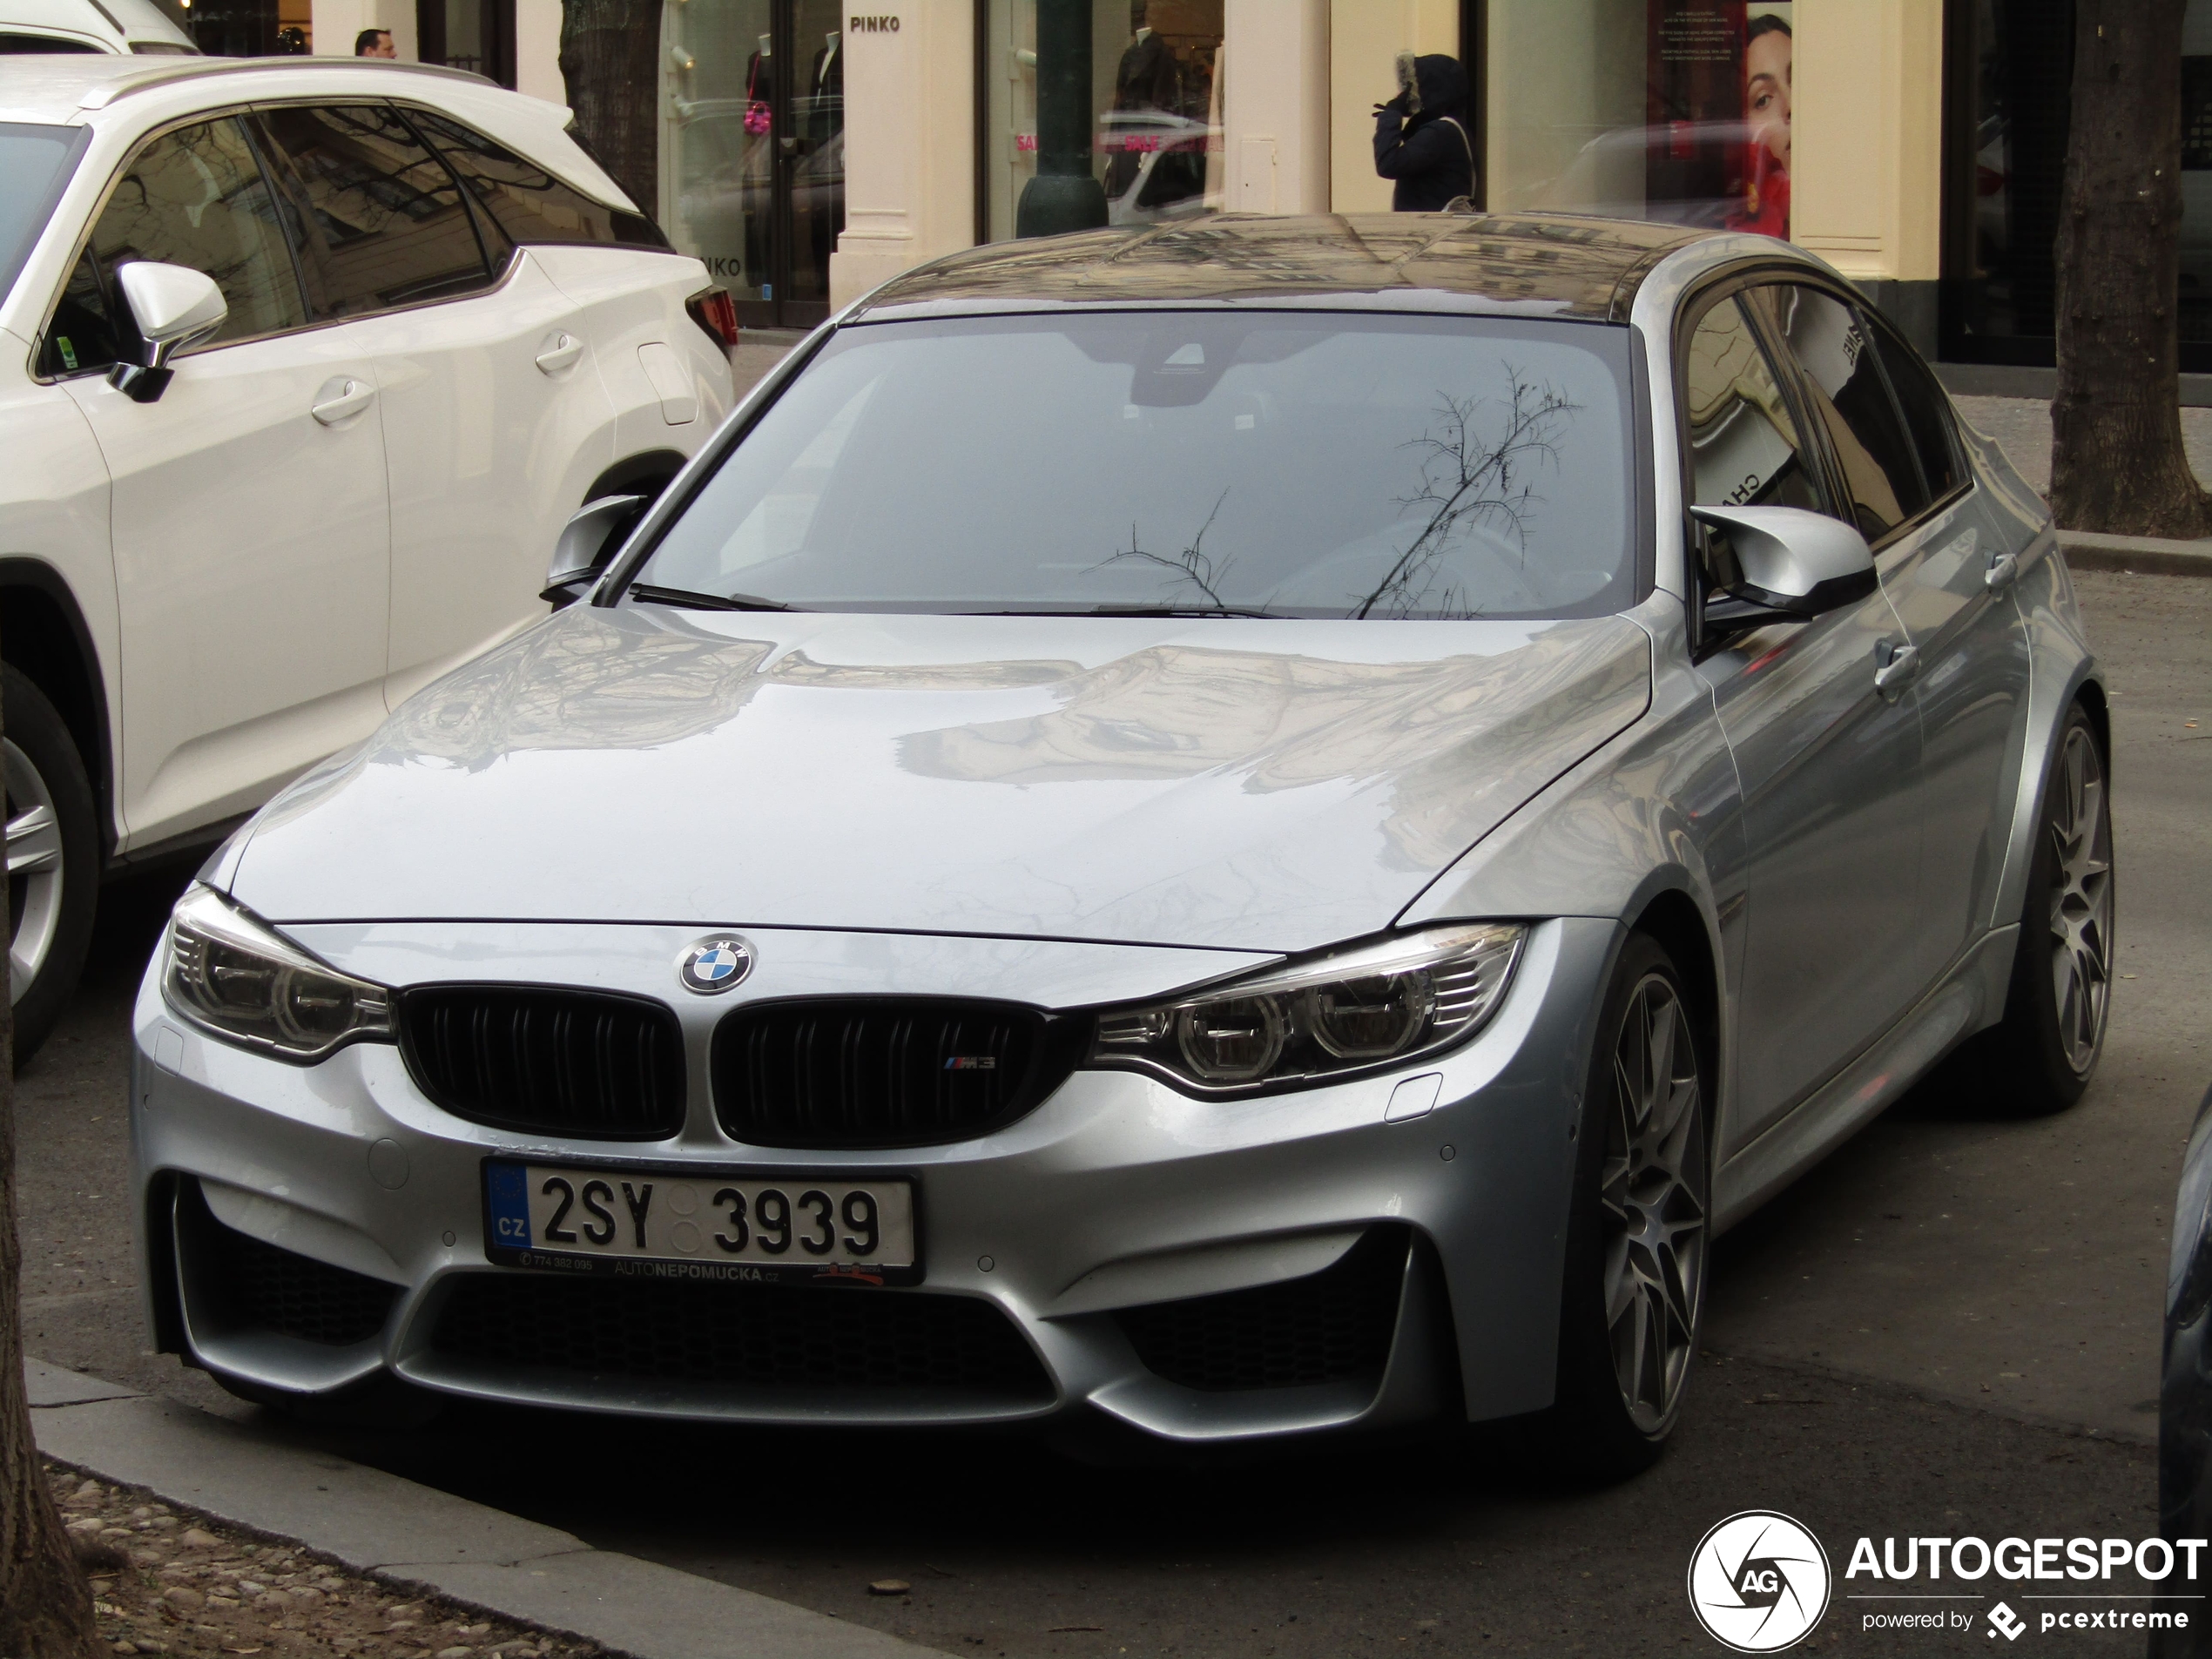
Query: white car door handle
[[559, 352], [1897, 673], [340, 399]]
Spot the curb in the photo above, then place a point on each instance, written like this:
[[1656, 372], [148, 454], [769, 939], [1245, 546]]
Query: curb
[[2136, 554], [419, 1538]]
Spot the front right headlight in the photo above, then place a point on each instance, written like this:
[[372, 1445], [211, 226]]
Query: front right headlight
[[1355, 1010], [232, 976]]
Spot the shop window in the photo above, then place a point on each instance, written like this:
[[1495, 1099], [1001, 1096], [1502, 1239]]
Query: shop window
[[751, 169], [2007, 108], [1096, 112], [1671, 109], [380, 220], [475, 35]]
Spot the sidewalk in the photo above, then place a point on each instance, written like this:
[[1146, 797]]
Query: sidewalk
[[259, 1478]]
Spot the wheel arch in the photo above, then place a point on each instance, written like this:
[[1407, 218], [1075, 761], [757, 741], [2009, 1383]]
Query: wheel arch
[[1672, 917], [653, 467], [44, 637]]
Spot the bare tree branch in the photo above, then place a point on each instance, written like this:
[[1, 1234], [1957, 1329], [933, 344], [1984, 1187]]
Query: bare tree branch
[[1192, 564], [1466, 480]]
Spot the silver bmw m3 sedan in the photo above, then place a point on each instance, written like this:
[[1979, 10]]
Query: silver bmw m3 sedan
[[1244, 829]]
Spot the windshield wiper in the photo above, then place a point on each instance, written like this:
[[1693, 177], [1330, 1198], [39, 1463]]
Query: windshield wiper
[[1134, 610], [687, 600]]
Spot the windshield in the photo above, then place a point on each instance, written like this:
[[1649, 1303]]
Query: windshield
[[35, 163], [1295, 464]]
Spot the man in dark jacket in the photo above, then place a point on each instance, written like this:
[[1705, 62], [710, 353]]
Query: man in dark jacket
[[1421, 139]]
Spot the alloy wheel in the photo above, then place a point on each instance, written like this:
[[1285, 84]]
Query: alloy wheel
[[34, 869], [1653, 1193], [2080, 833]]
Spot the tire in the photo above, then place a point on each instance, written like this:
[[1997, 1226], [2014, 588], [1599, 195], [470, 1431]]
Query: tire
[[53, 858], [2040, 1057], [1638, 1235]]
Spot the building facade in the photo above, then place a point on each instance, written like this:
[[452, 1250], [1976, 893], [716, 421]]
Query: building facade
[[808, 151]]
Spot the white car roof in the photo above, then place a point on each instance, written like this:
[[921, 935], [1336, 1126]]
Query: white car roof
[[87, 90], [114, 23]]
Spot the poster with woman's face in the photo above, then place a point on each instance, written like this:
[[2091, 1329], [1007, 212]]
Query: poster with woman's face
[[1718, 89]]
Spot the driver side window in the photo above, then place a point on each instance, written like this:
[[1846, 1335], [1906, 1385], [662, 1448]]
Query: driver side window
[[194, 197], [1744, 447]]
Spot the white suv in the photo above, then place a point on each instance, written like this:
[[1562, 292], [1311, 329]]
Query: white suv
[[304, 363]]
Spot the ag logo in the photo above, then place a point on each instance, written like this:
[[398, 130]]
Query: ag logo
[[715, 963], [1758, 1583]]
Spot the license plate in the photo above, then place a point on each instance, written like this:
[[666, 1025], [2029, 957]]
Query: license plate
[[656, 1223]]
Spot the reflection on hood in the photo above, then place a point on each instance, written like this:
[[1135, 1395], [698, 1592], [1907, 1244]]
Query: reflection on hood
[[1266, 785]]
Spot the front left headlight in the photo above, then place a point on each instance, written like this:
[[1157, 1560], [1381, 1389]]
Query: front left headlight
[[1356, 1010], [230, 974]]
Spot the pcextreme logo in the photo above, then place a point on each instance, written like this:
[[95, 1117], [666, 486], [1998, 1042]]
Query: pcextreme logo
[[1758, 1581]]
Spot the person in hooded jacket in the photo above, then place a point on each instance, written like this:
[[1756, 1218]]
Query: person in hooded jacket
[[1421, 139]]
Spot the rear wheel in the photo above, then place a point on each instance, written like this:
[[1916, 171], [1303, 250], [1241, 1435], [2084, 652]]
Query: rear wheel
[[1638, 1238], [53, 858], [2039, 1059]]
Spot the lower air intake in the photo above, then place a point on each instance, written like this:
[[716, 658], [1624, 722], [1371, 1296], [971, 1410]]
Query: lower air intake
[[737, 1335], [1331, 1326], [240, 1282]]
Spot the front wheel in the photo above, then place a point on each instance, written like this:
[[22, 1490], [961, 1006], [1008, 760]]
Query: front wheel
[[53, 858], [1639, 1233]]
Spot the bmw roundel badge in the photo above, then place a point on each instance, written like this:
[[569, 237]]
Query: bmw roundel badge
[[715, 963]]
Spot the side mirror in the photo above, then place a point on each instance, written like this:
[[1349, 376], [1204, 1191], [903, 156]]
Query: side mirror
[[174, 306], [1793, 562], [587, 541]]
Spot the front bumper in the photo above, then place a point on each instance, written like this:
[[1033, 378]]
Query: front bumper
[[1117, 1194]]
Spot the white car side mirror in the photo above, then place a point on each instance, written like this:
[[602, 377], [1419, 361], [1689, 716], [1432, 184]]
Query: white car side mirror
[[1798, 562], [173, 306], [592, 535]]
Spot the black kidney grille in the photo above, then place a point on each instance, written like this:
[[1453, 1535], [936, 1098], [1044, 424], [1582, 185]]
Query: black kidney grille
[[740, 1334], [880, 1071], [547, 1060], [1327, 1327]]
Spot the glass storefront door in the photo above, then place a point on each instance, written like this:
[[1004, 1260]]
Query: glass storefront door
[[753, 149]]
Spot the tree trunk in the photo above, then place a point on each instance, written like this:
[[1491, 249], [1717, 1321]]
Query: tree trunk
[[610, 63], [45, 1603], [2116, 458]]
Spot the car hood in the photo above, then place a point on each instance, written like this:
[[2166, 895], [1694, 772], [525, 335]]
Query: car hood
[[1242, 784]]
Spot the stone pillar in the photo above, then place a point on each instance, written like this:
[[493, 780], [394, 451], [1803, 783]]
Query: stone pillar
[[909, 141], [1866, 151], [1275, 73]]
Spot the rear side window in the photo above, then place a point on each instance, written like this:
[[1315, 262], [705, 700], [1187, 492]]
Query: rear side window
[[526, 202], [194, 197], [380, 220], [13, 44], [1927, 409], [1880, 470]]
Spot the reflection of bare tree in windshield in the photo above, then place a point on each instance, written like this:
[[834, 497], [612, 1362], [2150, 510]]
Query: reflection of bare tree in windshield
[[1193, 565], [1468, 478]]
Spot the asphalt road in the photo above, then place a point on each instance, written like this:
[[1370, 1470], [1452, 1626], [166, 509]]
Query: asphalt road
[[1952, 1328]]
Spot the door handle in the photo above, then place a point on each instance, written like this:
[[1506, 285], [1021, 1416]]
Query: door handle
[[2003, 571], [1896, 673], [559, 351], [340, 399]]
